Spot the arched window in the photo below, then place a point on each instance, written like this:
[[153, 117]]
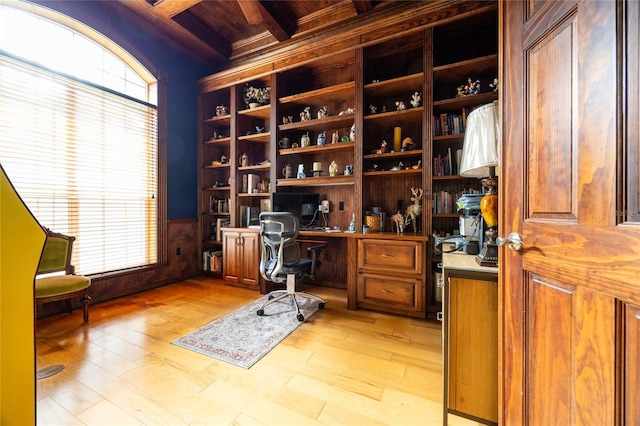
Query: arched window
[[78, 136]]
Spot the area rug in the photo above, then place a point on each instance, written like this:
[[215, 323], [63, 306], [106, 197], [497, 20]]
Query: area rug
[[242, 337]]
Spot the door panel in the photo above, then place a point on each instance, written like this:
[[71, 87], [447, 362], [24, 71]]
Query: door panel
[[567, 326]]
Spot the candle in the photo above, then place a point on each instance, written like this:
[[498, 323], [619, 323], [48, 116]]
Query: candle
[[396, 138], [317, 166]]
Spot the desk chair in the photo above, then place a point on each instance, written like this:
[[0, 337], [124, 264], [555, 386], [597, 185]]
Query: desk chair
[[56, 257], [281, 262]]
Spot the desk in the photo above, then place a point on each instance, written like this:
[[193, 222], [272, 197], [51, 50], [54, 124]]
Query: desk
[[470, 339]]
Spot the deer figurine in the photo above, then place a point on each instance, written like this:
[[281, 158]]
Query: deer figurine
[[398, 220], [414, 210]]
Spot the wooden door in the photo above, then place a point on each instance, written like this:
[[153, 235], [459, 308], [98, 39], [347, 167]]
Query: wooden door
[[569, 185], [250, 258], [232, 256]]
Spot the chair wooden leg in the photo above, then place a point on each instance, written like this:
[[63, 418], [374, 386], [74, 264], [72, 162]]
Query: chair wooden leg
[[86, 299]]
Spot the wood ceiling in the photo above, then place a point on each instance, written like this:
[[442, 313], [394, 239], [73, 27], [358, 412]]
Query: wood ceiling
[[219, 32]]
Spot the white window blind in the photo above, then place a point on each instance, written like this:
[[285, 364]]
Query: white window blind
[[84, 160]]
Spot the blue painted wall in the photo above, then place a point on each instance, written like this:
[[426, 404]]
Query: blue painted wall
[[182, 73]]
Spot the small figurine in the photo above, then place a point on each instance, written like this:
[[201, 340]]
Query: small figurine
[[305, 115], [352, 132], [494, 85], [224, 159], [407, 145], [471, 88], [348, 170], [287, 171], [417, 166], [383, 147], [301, 174], [304, 140], [347, 111], [259, 129], [288, 119], [335, 137], [323, 112], [398, 220], [322, 139], [222, 110], [333, 168], [352, 224], [415, 99], [373, 109], [384, 108], [400, 106], [244, 160], [414, 210], [400, 166]]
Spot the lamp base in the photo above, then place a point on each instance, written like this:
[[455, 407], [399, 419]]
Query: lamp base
[[488, 256]]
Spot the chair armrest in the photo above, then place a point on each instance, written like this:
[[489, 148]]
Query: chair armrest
[[315, 254]]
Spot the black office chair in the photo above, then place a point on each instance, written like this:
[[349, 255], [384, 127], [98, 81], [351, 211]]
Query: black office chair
[[281, 262]]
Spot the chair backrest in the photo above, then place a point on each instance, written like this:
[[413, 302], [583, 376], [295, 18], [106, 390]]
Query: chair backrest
[[278, 234], [56, 255]]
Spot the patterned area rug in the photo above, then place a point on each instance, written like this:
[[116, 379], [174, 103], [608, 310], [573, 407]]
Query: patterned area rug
[[242, 337]]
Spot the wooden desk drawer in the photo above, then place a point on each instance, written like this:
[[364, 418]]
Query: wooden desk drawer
[[406, 257], [390, 293]]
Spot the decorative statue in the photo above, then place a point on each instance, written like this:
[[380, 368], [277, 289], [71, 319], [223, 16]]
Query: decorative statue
[[304, 140], [301, 174], [352, 132], [322, 138], [397, 220], [244, 160], [333, 168], [407, 144], [373, 109], [471, 88], [305, 115], [400, 105], [288, 119], [222, 110], [323, 112], [348, 170], [414, 210], [415, 99], [335, 137], [494, 85]]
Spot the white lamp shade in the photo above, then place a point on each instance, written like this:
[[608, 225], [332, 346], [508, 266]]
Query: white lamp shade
[[481, 142]]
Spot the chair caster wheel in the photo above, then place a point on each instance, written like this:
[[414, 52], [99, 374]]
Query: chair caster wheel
[[321, 305], [271, 296], [300, 317], [260, 312]]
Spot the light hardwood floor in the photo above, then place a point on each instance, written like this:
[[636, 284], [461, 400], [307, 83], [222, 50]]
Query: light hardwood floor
[[340, 367]]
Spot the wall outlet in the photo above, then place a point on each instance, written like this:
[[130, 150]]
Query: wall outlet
[[324, 206]]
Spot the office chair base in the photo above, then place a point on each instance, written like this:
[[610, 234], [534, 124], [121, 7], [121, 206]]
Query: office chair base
[[291, 293]]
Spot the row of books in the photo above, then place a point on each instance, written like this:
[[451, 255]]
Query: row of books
[[451, 124], [252, 183], [212, 260], [448, 164], [444, 201], [218, 205], [215, 228]]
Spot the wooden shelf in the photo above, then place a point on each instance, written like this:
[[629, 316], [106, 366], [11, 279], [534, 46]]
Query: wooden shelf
[[391, 155], [263, 167], [221, 214], [461, 70], [330, 122], [318, 181], [409, 84], [456, 104], [221, 166], [453, 177], [218, 119], [449, 138], [319, 148], [410, 171], [392, 116], [218, 188], [320, 97], [219, 141], [257, 137], [263, 111], [254, 195]]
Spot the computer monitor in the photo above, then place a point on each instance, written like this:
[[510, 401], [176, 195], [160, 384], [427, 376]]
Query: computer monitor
[[304, 205]]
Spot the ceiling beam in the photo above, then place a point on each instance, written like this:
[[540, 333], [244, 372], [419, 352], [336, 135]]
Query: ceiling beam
[[144, 16], [255, 13], [361, 6], [171, 8]]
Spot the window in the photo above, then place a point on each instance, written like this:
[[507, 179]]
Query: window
[[78, 139]]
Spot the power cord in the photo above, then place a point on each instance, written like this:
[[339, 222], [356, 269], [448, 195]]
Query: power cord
[[465, 239]]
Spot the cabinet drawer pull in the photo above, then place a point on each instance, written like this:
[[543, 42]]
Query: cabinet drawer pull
[[388, 291], [387, 255]]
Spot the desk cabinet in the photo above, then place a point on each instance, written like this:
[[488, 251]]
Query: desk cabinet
[[470, 335], [391, 276], [241, 260]]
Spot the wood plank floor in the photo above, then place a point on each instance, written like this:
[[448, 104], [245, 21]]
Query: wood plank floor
[[340, 367]]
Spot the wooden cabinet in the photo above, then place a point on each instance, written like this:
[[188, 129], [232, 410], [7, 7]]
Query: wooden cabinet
[[376, 86], [470, 336], [391, 276], [241, 257]]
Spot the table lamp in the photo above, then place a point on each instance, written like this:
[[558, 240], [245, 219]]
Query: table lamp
[[480, 157]]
